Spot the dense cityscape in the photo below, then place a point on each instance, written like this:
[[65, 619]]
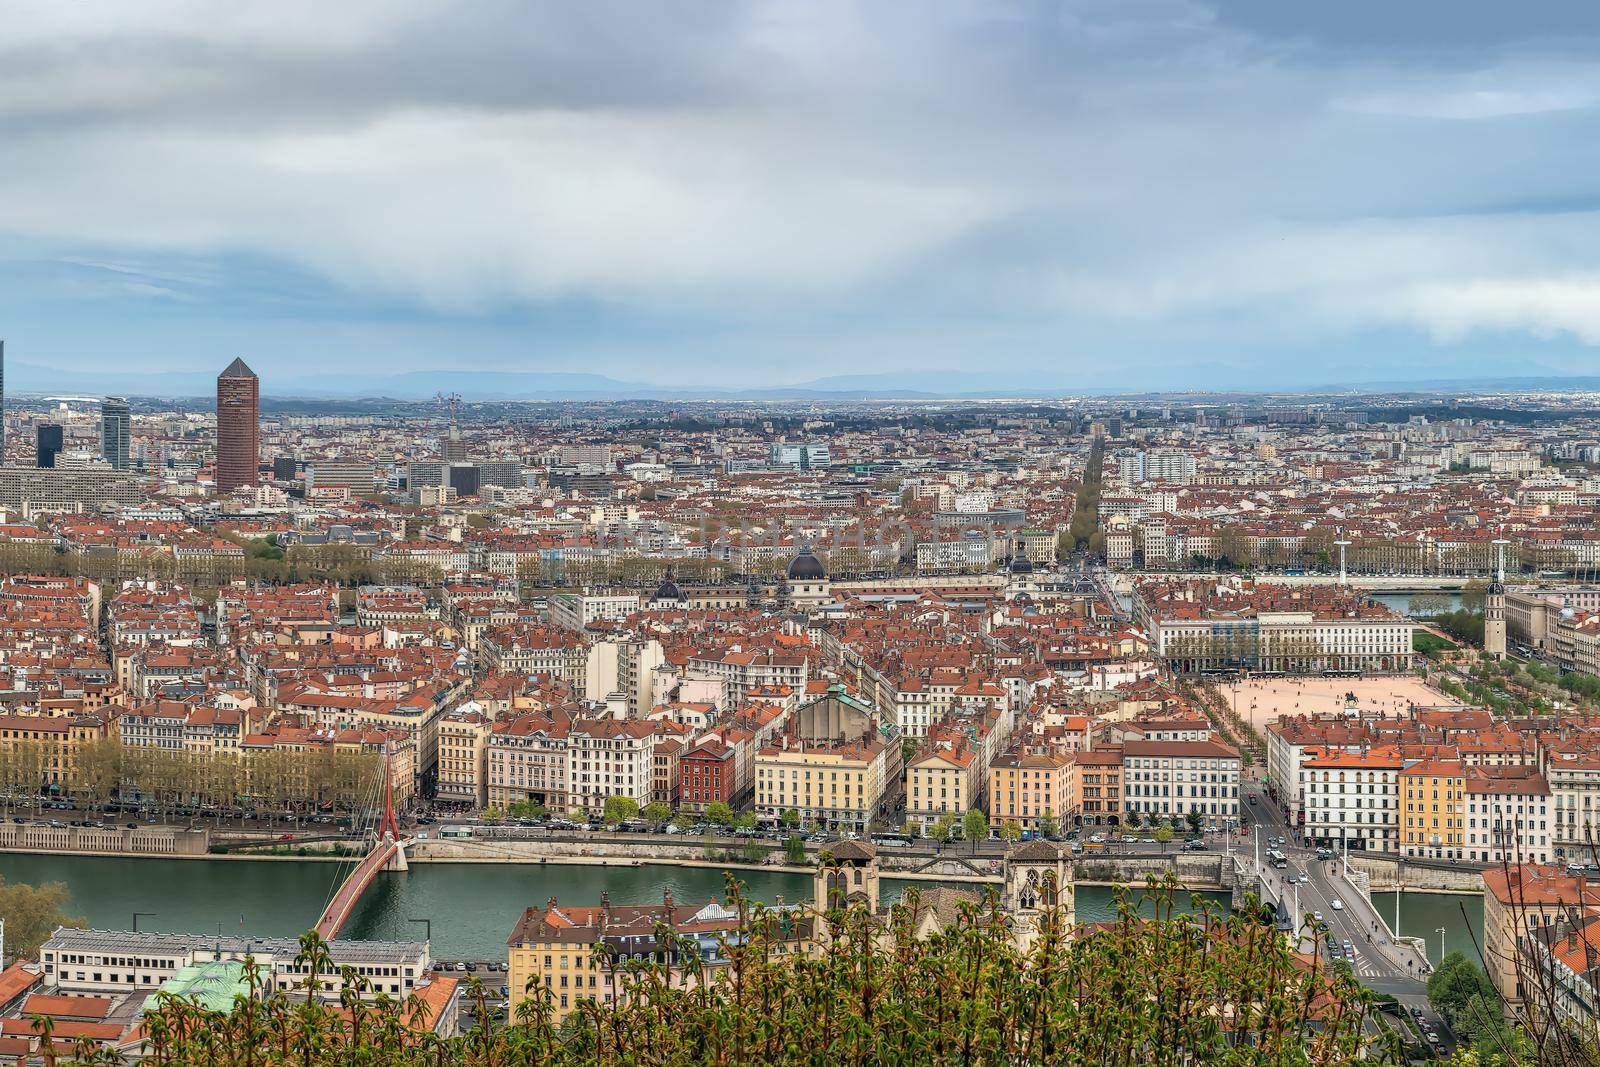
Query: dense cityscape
[[851, 532], [1292, 651]]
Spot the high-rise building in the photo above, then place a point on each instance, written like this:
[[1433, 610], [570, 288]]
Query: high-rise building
[[51, 441], [238, 427], [116, 432]]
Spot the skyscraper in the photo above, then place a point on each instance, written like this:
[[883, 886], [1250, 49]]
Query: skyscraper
[[116, 432], [51, 441], [238, 427]]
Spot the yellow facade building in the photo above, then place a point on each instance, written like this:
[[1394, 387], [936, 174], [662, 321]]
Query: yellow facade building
[[1433, 809]]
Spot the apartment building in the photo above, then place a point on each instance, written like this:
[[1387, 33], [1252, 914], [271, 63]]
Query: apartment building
[[1099, 777], [1352, 799], [944, 780], [1433, 812], [527, 760], [837, 784], [1169, 779], [1508, 815], [1025, 787], [463, 771], [610, 757]]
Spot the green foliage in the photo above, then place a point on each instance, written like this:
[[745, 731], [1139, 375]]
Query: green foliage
[[974, 825], [1011, 830], [1481, 1024], [1049, 825], [620, 810], [1454, 983], [526, 809], [1163, 832], [1428, 644], [1473, 594], [789, 817], [1428, 604], [656, 814], [1170, 990], [794, 851], [31, 915], [719, 814], [943, 828], [1194, 821], [1463, 625]]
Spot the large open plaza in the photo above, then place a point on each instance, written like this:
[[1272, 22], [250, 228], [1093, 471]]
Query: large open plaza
[[1261, 700]]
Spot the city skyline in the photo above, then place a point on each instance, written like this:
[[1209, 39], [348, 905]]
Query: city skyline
[[1103, 195]]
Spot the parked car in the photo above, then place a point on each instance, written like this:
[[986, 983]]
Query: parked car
[[1338, 905]]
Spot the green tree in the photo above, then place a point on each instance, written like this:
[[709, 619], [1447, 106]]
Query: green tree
[[1193, 819], [526, 809], [1454, 983], [794, 851], [656, 814], [620, 809], [1163, 832], [32, 913], [1049, 825], [746, 820], [1135, 992], [1011, 831], [975, 827], [943, 827], [719, 814], [789, 818], [1473, 594], [1483, 1025], [1428, 604], [491, 814]]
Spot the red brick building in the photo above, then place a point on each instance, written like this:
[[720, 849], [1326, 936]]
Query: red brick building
[[706, 775]]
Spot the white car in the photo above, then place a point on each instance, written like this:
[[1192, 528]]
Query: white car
[[1098, 839], [1338, 905]]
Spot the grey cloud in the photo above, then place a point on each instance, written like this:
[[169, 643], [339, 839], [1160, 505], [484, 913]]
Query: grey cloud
[[1071, 164]]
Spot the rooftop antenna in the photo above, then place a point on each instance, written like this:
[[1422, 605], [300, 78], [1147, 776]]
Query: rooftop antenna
[[450, 399]]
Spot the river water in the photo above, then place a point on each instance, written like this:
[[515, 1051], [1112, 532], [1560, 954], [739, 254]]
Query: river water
[[472, 906], [1401, 602], [1422, 915]]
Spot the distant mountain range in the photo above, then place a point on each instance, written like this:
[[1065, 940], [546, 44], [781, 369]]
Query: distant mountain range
[[546, 385]]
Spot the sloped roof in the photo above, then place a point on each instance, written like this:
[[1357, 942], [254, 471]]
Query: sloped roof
[[237, 369]]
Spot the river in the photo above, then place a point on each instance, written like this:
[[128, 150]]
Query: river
[[472, 907], [1401, 602], [1423, 914]]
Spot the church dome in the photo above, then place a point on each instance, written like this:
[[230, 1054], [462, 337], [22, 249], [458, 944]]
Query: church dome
[[806, 567], [668, 589]]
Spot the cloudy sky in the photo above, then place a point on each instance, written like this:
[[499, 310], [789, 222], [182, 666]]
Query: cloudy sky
[[1109, 192]]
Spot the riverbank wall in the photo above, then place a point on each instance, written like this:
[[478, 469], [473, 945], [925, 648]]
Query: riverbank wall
[[96, 841], [1388, 874]]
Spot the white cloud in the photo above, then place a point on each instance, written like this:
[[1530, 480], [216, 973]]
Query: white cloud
[[1056, 164], [1544, 307]]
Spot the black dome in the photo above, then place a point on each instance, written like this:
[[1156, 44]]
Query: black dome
[[668, 589], [1021, 564], [806, 567]]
